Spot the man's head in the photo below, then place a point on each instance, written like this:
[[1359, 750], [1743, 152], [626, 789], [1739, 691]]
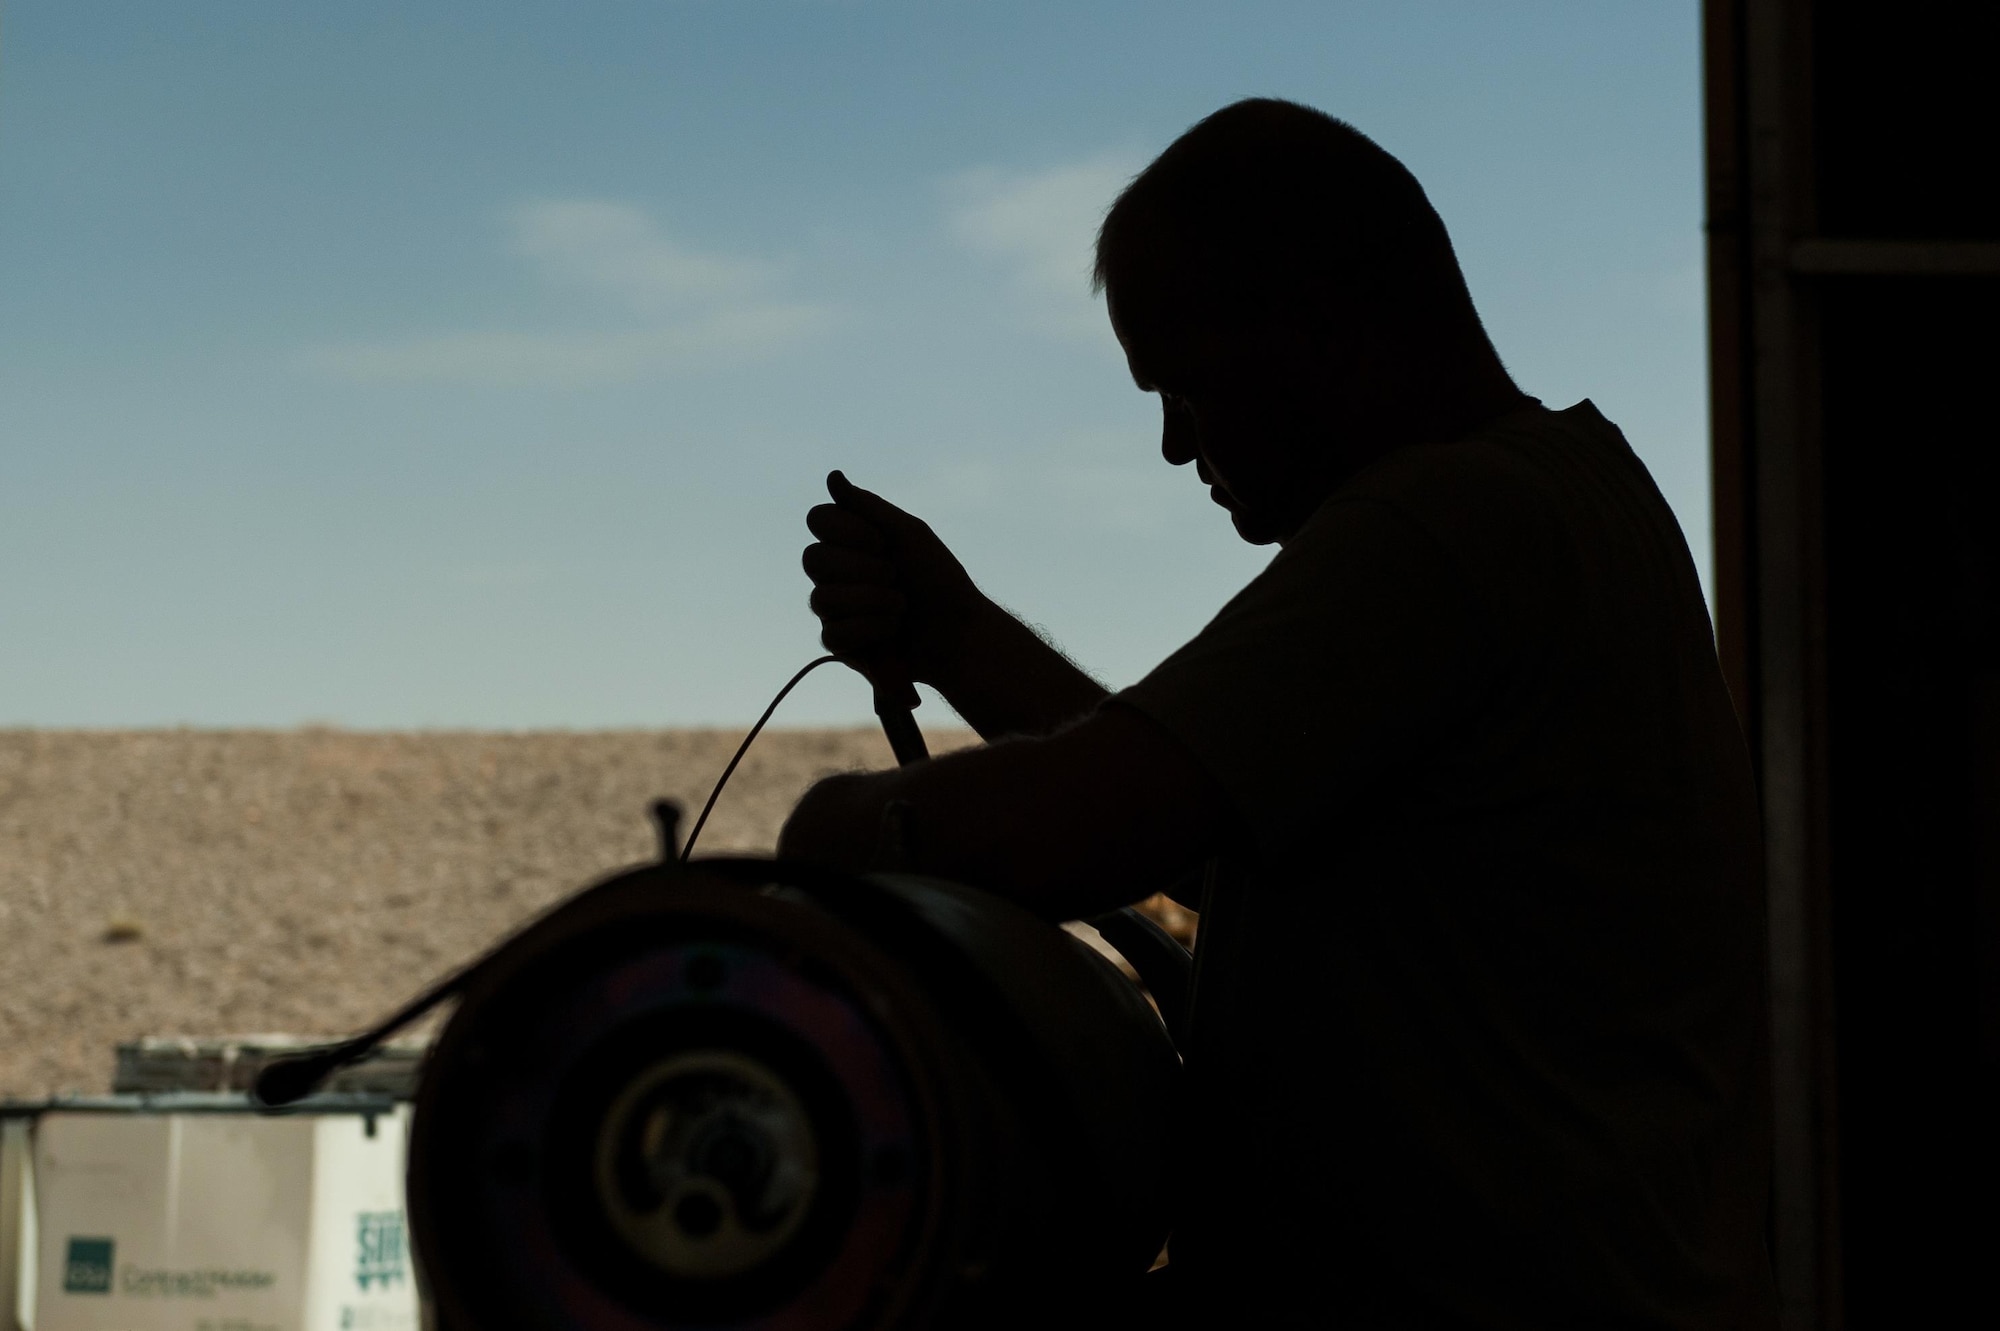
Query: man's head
[[1287, 289]]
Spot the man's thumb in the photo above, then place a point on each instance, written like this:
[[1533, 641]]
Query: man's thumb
[[866, 503]]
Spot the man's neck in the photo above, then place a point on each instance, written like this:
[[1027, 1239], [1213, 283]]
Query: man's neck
[[1411, 421]]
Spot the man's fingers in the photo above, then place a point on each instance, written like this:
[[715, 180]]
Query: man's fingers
[[858, 619], [827, 564], [838, 526], [858, 637], [851, 601]]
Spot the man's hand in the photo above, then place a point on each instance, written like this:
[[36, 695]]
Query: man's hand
[[894, 601], [890, 597], [838, 822]]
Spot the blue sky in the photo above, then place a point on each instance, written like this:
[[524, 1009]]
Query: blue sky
[[458, 364]]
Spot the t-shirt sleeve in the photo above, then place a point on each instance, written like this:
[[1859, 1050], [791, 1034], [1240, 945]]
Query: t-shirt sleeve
[[1337, 668]]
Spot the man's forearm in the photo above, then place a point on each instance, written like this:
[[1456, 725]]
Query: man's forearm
[[1007, 680], [1102, 814]]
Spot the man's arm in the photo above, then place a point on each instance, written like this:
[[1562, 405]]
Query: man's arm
[[1097, 815], [894, 600]]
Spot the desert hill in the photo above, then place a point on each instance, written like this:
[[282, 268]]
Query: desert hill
[[193, 882]]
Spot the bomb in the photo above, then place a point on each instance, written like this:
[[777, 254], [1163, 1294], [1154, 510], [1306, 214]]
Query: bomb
[[747, 1093]]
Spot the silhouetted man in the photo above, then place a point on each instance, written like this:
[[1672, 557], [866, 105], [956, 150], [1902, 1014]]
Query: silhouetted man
[[1476, 1038]]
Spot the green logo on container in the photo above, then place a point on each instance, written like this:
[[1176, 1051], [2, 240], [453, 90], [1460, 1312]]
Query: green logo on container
[[379, 1248], [87, 1268]]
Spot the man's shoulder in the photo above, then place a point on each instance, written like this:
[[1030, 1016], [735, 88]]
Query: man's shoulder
[[1509, 464], [1496, 495]]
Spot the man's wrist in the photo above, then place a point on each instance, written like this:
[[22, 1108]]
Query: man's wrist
[[1006, 679], [974, 637]]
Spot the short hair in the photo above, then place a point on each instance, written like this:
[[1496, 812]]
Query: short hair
[[1269, 211]]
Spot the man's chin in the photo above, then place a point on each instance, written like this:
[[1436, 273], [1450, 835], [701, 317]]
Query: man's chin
[[1250, 528], [1253, 529]]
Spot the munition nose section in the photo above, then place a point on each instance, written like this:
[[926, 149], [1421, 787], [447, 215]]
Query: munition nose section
[[706, 1164], [749, 1093]]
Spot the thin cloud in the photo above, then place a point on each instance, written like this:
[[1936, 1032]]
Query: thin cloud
[[1105, 480], [673, 309], [615, 249], [1041, 226], [572, 359]]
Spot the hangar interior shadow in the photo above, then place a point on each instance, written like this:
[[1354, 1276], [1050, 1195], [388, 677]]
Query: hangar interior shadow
[[1854, 255]]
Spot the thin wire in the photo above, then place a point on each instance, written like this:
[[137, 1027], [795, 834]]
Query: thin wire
[[744, 748], [293, 1078]]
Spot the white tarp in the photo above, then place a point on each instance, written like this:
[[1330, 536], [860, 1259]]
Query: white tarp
[[222, 1222]]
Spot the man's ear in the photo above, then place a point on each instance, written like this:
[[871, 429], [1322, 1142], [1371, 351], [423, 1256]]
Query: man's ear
[[1343, 358]]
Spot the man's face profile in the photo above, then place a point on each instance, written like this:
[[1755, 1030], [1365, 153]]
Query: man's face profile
[[1244, 408]]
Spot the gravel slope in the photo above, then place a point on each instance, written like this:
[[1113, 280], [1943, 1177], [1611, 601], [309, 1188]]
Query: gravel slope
[[225, 882]]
